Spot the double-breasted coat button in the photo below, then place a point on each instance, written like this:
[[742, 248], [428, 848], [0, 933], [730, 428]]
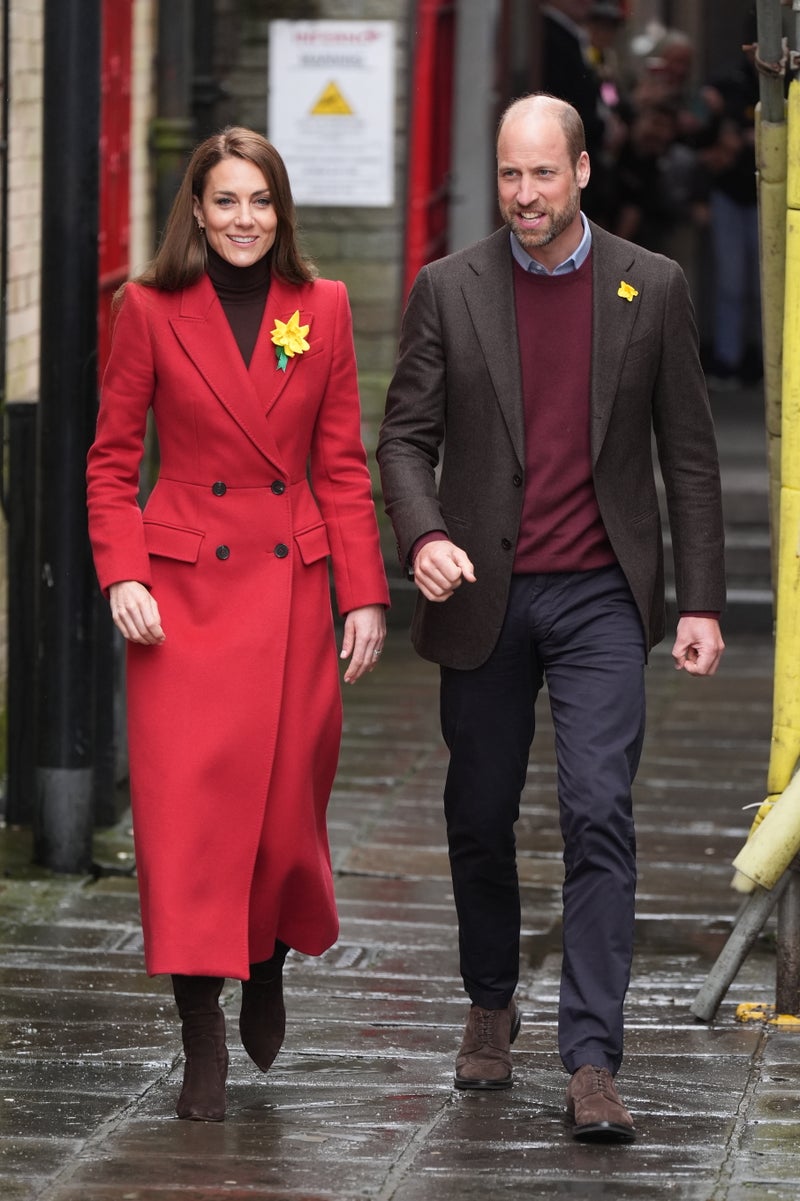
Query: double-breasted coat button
[[505, 543], [281, 550], [219, 489], [278, 487], [223, 552]]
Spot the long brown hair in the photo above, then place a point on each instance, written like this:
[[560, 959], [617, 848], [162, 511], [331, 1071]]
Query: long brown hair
[[181, 257]]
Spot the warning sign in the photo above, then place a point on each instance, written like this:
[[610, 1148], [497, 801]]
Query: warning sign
[[332, 103], [331, 109]]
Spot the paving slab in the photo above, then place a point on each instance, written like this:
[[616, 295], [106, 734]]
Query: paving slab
[[360, 1105]]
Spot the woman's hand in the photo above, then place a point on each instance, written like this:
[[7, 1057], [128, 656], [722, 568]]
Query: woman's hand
[[135, 613], [364, 636]]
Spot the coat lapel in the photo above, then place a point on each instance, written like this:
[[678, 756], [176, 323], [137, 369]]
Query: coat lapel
[[283, 300], [489, 297], [205, 335], [613, 264]]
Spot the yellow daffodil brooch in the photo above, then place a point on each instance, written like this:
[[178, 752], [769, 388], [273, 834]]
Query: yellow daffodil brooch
[[626, 291], [289, 338]]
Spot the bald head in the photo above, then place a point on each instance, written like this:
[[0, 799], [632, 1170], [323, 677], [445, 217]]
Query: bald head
[[543, 107], [541, 169]]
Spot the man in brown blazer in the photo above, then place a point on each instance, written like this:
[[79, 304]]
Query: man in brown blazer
[[516, 458]]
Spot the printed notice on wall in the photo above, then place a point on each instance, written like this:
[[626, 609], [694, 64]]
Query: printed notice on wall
[[331, 109]]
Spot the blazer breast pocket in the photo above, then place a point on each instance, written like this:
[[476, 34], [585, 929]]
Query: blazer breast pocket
[[172, 541], [641, 347]]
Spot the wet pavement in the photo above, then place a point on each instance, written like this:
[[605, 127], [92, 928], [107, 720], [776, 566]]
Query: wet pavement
[[360, 1104]]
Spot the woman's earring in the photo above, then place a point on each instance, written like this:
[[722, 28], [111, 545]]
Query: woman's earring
[[201, 228]]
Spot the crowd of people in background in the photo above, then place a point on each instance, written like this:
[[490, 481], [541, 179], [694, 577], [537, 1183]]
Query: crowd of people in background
[[671, 158]]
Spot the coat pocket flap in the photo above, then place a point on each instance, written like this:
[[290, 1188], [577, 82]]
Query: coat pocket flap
[[313, 543], [172, 541]]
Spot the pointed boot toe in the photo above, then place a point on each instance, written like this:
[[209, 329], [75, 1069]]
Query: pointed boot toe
[[262, 1021]]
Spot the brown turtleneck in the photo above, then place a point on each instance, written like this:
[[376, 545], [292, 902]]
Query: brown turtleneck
[[242, 292]]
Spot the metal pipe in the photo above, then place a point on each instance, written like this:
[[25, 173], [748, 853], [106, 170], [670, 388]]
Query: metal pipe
[[787, 972], [21, 420], [751, 921], [63, 816], [770, 38]]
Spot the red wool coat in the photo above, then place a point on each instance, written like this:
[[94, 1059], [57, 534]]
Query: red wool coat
[[235, 720]]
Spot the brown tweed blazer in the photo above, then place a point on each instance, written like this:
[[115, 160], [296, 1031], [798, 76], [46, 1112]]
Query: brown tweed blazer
[[451, 446]]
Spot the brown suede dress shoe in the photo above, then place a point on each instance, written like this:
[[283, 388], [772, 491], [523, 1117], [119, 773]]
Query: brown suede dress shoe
[[596, 1108], [484, 1058]]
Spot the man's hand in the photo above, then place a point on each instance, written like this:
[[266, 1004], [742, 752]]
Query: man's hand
[[439, 569], [698, 645]]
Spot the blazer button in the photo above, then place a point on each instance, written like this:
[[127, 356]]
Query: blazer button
[[517, 481], [278, 487], [505, 543], [281, 550], [219, 489], [223, 552]]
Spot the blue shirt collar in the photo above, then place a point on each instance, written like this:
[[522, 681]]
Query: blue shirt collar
[[575, 260]]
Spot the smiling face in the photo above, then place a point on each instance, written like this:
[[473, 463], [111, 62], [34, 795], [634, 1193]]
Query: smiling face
[[237, 211], [539, 185]]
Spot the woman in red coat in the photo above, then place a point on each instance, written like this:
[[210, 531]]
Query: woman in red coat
[[221, 588]]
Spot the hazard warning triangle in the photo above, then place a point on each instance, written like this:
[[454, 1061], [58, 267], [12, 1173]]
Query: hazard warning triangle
[[331, 103]]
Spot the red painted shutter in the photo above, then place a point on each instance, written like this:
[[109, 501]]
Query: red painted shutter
[[429, 155], [115, 136]]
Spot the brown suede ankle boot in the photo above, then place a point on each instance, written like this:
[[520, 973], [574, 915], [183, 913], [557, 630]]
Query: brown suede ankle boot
[[202, 1097], [262, 1021]]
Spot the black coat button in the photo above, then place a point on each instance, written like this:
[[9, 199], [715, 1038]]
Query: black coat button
[[517, 481], [219, 489], [223, 552], [278, 487], [281, 550], [505, 543]]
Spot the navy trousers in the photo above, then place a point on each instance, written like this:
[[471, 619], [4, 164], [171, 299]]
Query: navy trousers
[[582, 634]]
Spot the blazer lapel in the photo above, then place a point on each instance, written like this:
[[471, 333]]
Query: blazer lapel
[[205, 335], [613, 266], [489, 297]]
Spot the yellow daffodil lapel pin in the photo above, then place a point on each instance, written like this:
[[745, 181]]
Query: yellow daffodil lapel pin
[[626, 291], [289, 338]]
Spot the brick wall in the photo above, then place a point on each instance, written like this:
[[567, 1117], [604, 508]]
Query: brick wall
[[25, 178], [361, 246]]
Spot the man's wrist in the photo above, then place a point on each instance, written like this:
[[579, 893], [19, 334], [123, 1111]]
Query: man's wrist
[[431, 536]]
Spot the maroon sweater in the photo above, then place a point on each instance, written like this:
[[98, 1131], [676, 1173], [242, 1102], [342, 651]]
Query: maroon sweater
[[561, 528]]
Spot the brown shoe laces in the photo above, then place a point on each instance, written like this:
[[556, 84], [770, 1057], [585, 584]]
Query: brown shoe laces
[[599, 1079], [487, 1025]]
